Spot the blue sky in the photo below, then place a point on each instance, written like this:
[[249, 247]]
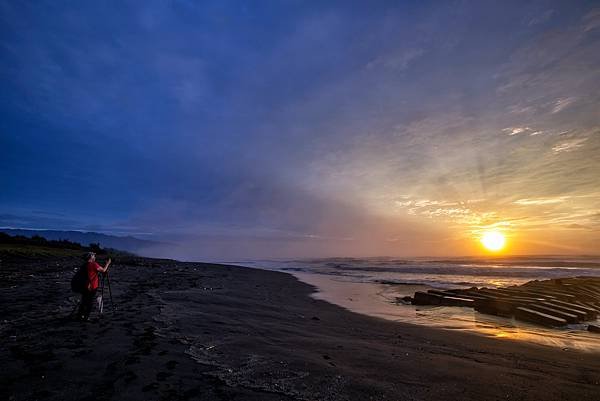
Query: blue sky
[[273, 129]]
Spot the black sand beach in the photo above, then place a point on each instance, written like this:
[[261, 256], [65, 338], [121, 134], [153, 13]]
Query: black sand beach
[[215, 332]]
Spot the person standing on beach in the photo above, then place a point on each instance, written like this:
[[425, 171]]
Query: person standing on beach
[[88, 295]]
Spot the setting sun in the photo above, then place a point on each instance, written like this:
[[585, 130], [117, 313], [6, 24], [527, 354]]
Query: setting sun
[[493, 240]]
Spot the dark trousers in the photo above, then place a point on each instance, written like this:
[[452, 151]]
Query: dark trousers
[[87, 302]]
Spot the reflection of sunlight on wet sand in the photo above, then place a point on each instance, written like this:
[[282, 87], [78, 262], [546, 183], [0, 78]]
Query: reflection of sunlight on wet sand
[[496, 283], [379, 300]]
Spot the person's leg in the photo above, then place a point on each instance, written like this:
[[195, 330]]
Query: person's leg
[[92, 299], [100, 303], [81, 310], [88, 302]]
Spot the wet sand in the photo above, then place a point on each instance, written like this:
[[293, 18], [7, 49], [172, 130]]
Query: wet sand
[[214, 332], [380, 300]]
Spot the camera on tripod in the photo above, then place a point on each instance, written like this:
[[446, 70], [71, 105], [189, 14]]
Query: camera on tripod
[[105, 278]]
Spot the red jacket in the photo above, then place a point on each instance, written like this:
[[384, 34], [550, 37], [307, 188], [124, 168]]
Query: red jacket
[[92, 270]]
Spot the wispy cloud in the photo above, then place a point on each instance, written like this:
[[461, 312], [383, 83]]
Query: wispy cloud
[[541, 18], [522, 130], [515, 130], [399, 62], [520, 109], [569, 146], [563, 103], [592, 20], [541, 201]]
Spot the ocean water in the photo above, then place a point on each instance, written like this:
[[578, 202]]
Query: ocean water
[[372, 286], [438, 273]]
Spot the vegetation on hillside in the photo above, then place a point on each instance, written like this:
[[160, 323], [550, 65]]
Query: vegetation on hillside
[[38, 246]]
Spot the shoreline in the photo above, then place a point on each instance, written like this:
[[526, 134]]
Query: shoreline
[[214, 332], [377, 300]]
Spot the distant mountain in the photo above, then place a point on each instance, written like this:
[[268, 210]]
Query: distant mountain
[[130, 244]]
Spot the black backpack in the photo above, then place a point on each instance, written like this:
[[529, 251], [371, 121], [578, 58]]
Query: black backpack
[[79, 281]]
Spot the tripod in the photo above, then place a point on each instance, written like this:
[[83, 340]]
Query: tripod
[[106, 278]]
